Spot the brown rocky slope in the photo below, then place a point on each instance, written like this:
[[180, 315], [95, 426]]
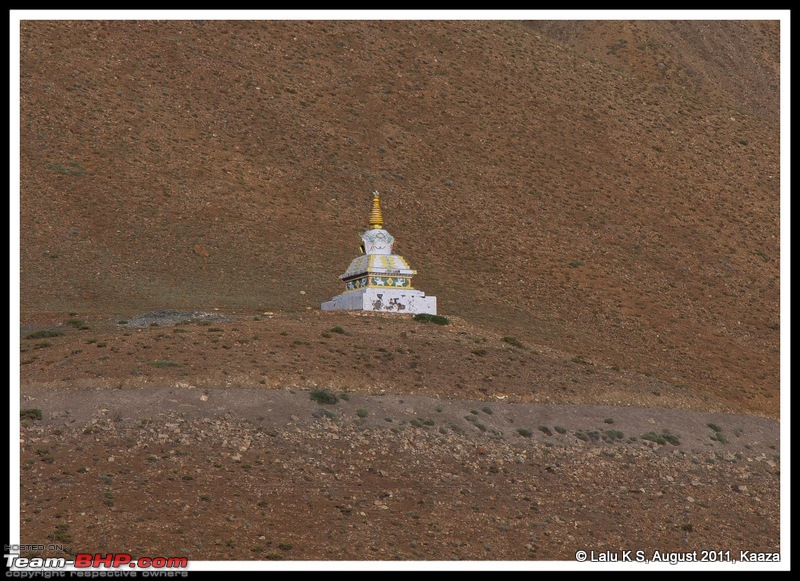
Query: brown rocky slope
[[563, 188], [596, 206]]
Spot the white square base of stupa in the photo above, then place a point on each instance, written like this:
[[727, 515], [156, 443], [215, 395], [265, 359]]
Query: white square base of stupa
[[382, 300]]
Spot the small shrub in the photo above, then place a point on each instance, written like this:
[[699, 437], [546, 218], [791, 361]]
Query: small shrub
[[479, 352], [609, 420], [71, 168], [673, 439], [30, 414], [44, 455], [324, 396], [614, 435], [714, 427], [653, 437], [560, 429], [427, 318], [514, 341], [44, 334], [161, 363], [663, 438], [524, 432], [339, 330], [345, 396], [362, 412], [720, 437], [60, 534], [545, 430], [487, 410]]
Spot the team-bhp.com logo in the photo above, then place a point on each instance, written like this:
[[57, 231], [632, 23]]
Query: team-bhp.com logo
[[125, 559], [96, 560]]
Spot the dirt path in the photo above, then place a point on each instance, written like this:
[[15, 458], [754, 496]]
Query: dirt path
[[283, 408]]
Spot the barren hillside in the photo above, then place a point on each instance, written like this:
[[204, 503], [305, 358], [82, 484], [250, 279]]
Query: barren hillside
[[552, 184], [595, 205]]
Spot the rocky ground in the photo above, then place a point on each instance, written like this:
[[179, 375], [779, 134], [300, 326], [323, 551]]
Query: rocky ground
[[172, 463], [595, 204]]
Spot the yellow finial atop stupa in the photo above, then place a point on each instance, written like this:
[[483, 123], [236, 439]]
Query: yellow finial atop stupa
[[375, 217]]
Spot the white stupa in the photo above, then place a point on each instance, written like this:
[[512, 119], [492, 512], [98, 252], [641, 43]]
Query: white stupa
[[379, 280]]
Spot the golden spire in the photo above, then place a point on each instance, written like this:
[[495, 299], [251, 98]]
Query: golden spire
[[375, 217]]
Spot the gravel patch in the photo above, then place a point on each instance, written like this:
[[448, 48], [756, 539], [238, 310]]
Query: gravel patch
[[171, 318]]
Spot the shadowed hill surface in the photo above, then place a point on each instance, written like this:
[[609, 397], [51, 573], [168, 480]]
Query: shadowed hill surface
[[616, 200]]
